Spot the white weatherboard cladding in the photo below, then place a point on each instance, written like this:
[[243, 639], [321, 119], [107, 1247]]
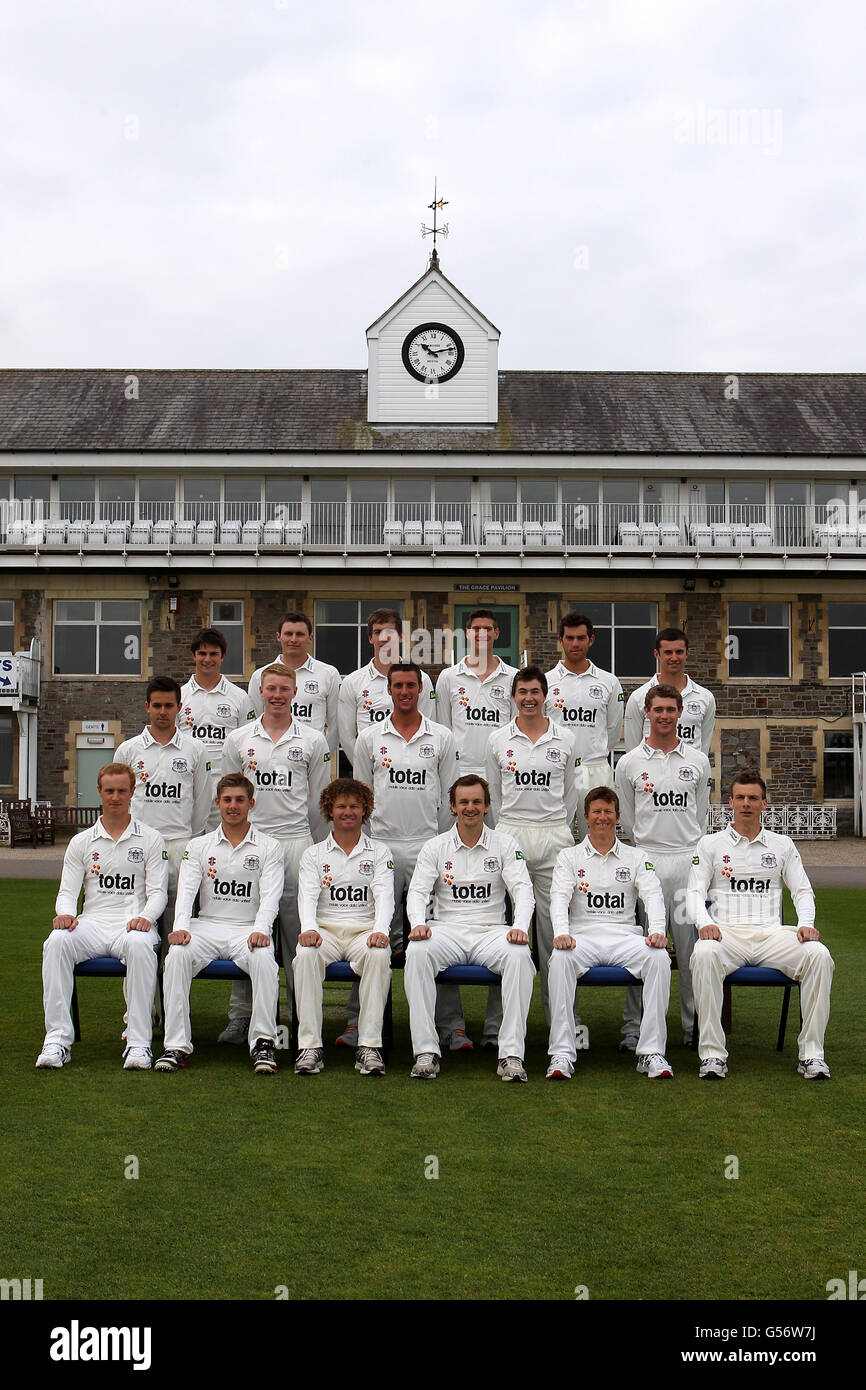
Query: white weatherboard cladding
[[468, 398]]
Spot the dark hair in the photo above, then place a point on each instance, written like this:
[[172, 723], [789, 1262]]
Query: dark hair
[[404, 666], [383, 615], [208, 637], [671, 634], [479, 613], [666, 692], [746, 778], [470, 779], [576, 620], [529, 673], [346, 786], [235, 779], [295, 618], [600, 794], [164, 684]]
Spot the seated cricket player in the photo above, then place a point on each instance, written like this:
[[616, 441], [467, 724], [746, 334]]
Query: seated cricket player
[[593, 901], [468, 870], [345, 903], [237, 871], [741, 870], [123, 867]]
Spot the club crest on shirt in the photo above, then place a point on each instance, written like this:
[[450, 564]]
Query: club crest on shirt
[[768, 861], [497, 692], [136, 856], [595, 692], [179, 765], [251, 861], [365, 866], [426, 751], [553, 755], [491, 865], [224, 711], [623, 875], [295, 755], [687, 774], [693, 707], [311, 687]]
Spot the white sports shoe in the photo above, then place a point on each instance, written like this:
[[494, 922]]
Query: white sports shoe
[[811, 1068], [236, 1032], [511, 1069], [137, 1059], [53, 1055], [369, 1062], [426, 1066], [310, 1062], [560, 1069], [713, 1069], [654, 1066]]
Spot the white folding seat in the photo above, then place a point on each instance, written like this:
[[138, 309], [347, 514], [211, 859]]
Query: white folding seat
[[433, 533], [701, 535], [512, 535], [629, 534], [272, 532], [762, 537], [649, 535], [861, 535], [16, 533], [77, 533], [230, 532], [413, 533], [96, 532], [847, 537], [141, 533], [493, 534], [117, 533], [741, 537], [392, 533], [35, 533], [551, 533], [251, 534], [55, 533], [184, 533], [669, 535], [205, 533], [296, 534], [723, 536], [163, 531], [533, 533], [452, 533]]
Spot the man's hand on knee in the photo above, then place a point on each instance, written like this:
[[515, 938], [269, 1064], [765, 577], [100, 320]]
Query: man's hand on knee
[[179, 938], [805, 934], [564, 943], [309, 938], [65, 922], [378, 938], [139, 924], [258, 938], [421, 933], [710, 932], [517, 937], [657, 939]]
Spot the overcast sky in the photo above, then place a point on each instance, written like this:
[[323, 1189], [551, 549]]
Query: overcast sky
[[637, 184]]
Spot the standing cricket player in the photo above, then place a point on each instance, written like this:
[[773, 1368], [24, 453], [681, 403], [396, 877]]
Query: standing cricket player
[[664, 795], [365, 697], [742, 869], [593, 900], [237, 873], [211, 706], [122, 865], [346, 902], [468, 871], [317, 697], [698, 715]]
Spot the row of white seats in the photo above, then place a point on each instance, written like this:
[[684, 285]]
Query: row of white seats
[[839, 537], [648, 535], [433, 533], [156, 533]]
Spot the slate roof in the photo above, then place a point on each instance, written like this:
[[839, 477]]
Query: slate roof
[[539, 412]]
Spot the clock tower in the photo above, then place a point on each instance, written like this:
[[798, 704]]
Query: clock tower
[[432, 359]]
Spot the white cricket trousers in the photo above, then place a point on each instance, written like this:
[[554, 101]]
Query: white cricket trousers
[[609, 946], [372, 963], [672, 871], [218, 941], [241, 999], [592, 772], [540, 843], [404, 854], [450, 945], [809, 962], [63, 950]]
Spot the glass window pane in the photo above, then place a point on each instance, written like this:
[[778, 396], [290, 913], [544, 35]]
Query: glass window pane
[[282, 489], [119, 649], [337, 611], [536, 490], [847, 614], [634, 651], [499, 490], [116, 611], [74, 651], [637, 615], [117, 489], [6, 746], [7, 610], [7, 637], [77, 489], [580, 490], [369, 489], [599, 614], [243, 489], [790, 494], [453, 490], [328, 490], [838, 764], [759, 653], [226, 611], [75, 611], [156, 489], [758, 614], [37, 489], [743, 492], [621, 490], [201, 489], [600, 653], [339, 647], [411, 490]]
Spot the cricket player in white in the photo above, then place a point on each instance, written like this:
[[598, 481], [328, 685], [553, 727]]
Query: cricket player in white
[[593, 902], [698, 716], [237, 872], [531, 769], [317, 697], [122, 865], [473, 700], [365, 697], [346, 902], [589, 702], [664, 795], [468, 870], [211, 706], [289, 765], [742, 870], [173, 789]]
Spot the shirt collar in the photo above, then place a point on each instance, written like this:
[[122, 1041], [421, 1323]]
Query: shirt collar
[[590, 849], [100, 832], [291, 732], [220, 687], [362, 847], [148, 739], [249, 838], [563, 671], [553, 730], [423, 728], [738, 839], [482, 842], [466, 670], [659, 752]]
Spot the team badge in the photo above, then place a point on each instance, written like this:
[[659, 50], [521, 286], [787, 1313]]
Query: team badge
[[693, 707], [687, 774], [295, 755], [620, 697], [185, 855], [251, 861], [768, 861], [136, 856], [311, 687], [553, 755], [623, 875], [497, 692], [595, 692], [180, 765], [365, 866], [491, 865], [224, 711], [426, 751]]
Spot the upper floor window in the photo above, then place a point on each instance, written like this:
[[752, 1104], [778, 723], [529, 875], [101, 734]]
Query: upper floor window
[[759, 640], [7, 625], [846, 638], [97, 637]]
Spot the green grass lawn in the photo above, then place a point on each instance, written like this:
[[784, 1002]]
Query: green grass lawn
[[248, 1183]]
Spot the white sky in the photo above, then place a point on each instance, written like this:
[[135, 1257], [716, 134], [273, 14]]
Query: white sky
[[240, 183]]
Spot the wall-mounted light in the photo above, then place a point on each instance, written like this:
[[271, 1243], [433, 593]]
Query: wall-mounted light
[[689, 584]]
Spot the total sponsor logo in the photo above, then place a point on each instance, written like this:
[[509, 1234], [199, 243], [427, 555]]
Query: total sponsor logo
[[746, 885], [280, 779], [231, 888], [575, 714], [116, 883], [348, 894], [302, 711], [163, 791], [470, 892], [687, 732], [531, 779], [611, 902], [214, 733]]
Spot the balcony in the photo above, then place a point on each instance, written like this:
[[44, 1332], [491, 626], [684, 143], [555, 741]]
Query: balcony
[[663, 535]]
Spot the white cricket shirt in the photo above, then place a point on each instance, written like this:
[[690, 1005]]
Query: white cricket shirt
[[289, 776], [238, 885], [590, 705], [532, 781], [209, 716], [410, 779], [317, 698], [473, 709], [336, 889], [591, 889], [664, 797], [743, 879], [122, 878], [694, 726], [173, 787], [469, 882], [364, 701]]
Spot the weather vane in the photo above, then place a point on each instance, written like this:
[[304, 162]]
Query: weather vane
[[435, 230]]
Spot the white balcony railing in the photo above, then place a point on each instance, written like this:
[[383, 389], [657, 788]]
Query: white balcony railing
[[663, 527], [807, 821]]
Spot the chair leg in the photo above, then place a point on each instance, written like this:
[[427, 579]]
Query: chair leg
[[73, 1008], [727, 1019], [388, 1023]]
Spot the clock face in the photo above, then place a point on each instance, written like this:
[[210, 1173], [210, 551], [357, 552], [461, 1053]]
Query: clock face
[[433, 352]]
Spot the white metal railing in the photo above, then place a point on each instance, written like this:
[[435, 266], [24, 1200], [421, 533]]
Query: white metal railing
[[858, 717], [697, 528], [806, 821]]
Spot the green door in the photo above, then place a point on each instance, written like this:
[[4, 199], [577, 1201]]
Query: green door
[[508, 622]]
